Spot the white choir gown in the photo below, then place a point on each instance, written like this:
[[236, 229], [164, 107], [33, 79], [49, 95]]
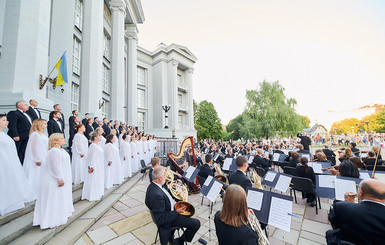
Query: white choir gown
[[116, 142], [13, 183], [79, 147], [102, 142], [93, 187], [126, 154], [113, 173], [54, 204], [134, 157], [36, 151], [146, 146]]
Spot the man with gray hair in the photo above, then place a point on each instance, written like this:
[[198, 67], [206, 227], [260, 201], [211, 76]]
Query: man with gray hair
[[305, 140], [260, 161], [18, 128], [161, 206]]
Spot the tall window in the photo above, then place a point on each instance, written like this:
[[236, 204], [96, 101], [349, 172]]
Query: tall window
[[106, 108], [141, 76], [106, 79], [179, 79], [78, 14], [141, 120], [76, 50], [180, 99], [106, 50], [74, 97], [141, 98], [180, 119]]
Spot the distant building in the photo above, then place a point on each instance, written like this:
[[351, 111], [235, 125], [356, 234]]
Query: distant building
[[109, 75], [317, 130]]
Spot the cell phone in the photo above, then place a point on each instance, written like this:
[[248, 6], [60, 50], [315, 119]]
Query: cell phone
[[203, 241]]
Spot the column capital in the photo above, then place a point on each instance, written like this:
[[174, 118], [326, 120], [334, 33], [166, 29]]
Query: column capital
[[131, 34], [118, 5], [174, 63], [190, 70]]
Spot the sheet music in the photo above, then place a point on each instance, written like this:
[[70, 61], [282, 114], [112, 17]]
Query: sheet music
[[363, 155], [279, 213], [276, 157], [216, 157], [254, 199], [227, 163], [317, 167], [342, 186], [270, 176], [305, 155], [189, 172], [214, 191], [251, 158], [283, 183], [208, 180], [364, 175], [326, 181]]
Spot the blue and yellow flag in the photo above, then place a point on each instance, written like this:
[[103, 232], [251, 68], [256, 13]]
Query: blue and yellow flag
[[61, 65]]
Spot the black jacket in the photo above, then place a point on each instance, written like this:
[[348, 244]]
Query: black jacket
[[53, 127], [19, 125], [261, 162], [205, 170], [31, 112], [241, 179]]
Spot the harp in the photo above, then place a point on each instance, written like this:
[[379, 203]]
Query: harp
[[183, 156]]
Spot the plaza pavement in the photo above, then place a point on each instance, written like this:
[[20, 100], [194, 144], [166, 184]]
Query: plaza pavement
[[129, 222]]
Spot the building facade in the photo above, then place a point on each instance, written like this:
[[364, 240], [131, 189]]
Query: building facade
[[109, 74]]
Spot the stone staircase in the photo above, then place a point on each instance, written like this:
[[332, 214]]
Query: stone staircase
[[16, 227]]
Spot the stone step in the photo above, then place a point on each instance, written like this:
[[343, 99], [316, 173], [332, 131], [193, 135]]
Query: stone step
[[85, 215]]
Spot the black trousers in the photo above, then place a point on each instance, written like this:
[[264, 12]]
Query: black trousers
[[21, 145], [191, 224]]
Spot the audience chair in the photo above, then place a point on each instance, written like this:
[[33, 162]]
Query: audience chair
[[260, 171], [144, 169], [304, 185], [378, 167], [290, 170], [173, 229]]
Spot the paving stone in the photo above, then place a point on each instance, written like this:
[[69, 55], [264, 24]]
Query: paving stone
[[72, 233], [271, 229], [120, 206], [84, 240], [313, 237], [35, 236], [125, 239], [322, 215], [124, 197], [134, 242], [325, 205], [131, 223], [303, 241], [288, 237], [97, 211], [102, 235], [296, 225], [274, 241], [104, 221], [131, 211], [131, 202], [298, 209], [315, 227], [111, 211], [146, 233]]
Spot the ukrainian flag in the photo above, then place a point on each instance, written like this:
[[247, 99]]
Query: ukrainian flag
[[61, 65]]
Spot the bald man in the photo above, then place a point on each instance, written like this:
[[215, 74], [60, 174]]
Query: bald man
[[359, 223], [33, 112], [305, 140]]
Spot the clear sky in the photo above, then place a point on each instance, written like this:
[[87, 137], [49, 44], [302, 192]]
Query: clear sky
[[328, 55]]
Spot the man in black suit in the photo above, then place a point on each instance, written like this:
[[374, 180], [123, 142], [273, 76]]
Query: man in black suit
[[330, 155], [239, 177], [18, 128], [261, 162], [33, 112], [95, 124], [89, 129], [359, 223], [87, 115], [57, 107], [305, 140], [55, 125], [206, 170], [355, 150], [106, 127], [218, 158], [161, 206], [155, 161], [301, 149], [72, 123]]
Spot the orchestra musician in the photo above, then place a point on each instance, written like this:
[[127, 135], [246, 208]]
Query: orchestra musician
[[260, 161], [231, 223], [161, 206], [359, 223], [239, 177]]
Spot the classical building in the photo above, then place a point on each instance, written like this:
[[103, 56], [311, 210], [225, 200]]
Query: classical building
[[109, 74]]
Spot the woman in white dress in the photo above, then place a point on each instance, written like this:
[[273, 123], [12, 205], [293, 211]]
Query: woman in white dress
[[139, 145], [126, 156], [54, 204], [35, 155], [113, 167], [13, 184], [123, 132], [93, 188], [79, 155], [116, 141], [134, 155], [102, 141]]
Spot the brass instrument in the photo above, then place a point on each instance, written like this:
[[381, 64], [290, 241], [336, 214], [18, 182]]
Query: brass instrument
[[257, 180], [254, 224], [180, 193], [219, 174], [169, 176]]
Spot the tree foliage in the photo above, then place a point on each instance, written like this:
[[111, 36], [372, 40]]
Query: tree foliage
[[208, 124], [347, 125], [268, 113]]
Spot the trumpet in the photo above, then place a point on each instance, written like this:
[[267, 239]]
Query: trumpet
[[254, 224]]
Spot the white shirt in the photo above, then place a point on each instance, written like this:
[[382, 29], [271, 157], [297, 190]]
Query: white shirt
[[37, 113], [59, 123], [27, 116], [172, 201]]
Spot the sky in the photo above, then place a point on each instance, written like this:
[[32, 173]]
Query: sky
[[328, 55]]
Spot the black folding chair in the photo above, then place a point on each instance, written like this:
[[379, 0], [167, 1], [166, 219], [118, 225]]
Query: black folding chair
[[144, 169], [332, 160], [378, 167], [304, 185], [290, 170], [173, 229], [260, 171]]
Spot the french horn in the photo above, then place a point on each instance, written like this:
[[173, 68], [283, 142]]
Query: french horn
[[169, 176], [180, 193], [219, 174]]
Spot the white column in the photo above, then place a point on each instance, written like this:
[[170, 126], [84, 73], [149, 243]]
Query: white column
[[132, 63], [190, 113], [173, 94], [118, 9], [92, 57]]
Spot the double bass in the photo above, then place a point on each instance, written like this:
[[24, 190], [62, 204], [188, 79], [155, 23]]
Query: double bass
[[194, 187]]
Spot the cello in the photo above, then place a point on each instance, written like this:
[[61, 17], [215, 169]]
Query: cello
[[189, 141]]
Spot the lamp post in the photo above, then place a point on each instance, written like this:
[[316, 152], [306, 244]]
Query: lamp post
[[367, 126], [166, 109]]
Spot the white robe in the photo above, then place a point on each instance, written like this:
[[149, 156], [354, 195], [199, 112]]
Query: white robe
[[134, 157], [113, 173], [116, 142], [146, 149], [139, 145], [93, 187], [54, 204], [102, 142], [79, 147], [36, 151], [13, 182], [126, 154]]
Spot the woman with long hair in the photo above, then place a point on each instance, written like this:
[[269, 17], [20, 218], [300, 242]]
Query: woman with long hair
[[93, 187], [347, 154], [54, 204], [13, 184], [35, 155], [79, 155], [305, 171], [113, 167], [231, 223]]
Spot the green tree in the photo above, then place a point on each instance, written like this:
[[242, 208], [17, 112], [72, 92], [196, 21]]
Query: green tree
[[208, 123], [347, 125]]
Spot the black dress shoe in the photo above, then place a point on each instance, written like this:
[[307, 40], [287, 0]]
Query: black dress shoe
[[312, 204]]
